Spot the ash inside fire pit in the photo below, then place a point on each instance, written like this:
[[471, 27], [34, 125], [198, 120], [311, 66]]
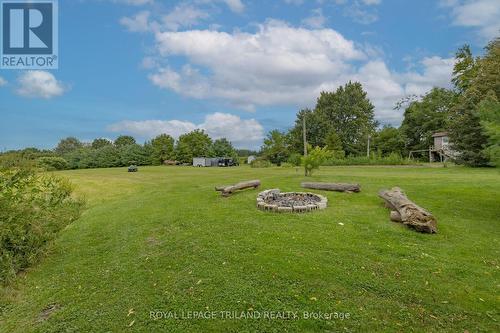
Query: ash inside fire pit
[[275, 200]]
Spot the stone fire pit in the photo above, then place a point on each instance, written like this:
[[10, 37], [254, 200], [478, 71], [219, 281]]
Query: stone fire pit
[[287, 202]]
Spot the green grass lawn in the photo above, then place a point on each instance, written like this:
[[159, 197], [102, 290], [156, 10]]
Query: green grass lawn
[[163, 240]]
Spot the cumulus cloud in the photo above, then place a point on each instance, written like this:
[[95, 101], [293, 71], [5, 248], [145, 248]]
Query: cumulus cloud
[[181, 16], [316, 20], [39, 84], [284, 65], [483, 15], [138, 23], [278, 64], [241, 132], [3, 82]]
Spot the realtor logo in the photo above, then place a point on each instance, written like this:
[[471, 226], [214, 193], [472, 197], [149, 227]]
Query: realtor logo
[[29, 37]]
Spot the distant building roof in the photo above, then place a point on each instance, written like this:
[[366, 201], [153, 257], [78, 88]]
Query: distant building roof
[[439, 134]]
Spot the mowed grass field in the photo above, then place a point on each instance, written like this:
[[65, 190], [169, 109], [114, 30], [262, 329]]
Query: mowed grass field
[[163, 240]]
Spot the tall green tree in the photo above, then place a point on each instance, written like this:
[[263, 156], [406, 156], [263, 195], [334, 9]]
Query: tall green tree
[[223, 148], [489, 114], [68, 145], [124, 140], [349, 113], [162, 149], [465, 69], [100, 142], [424, 117], [193, 144], [275, 147], [316, 128], [477, 79], [389, 140]]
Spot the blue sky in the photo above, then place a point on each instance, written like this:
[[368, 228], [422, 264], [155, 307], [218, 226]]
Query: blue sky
[[236, 68]]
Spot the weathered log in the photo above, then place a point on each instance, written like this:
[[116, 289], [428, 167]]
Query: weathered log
[[407, 212], [338, 187], [227, 190]]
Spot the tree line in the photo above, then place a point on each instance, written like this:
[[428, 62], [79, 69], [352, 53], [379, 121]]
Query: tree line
[[71, 153], [342, 122]]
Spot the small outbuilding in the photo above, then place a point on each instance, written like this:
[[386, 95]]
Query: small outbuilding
[[251, 158], [441, 150]]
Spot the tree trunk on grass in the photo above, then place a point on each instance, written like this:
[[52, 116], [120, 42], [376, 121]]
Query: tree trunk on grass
[[338, 187], [407, 212], [227, 190]]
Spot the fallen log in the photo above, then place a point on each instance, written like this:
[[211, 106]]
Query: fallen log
[[338, 187], [227, 190], [407, 212]]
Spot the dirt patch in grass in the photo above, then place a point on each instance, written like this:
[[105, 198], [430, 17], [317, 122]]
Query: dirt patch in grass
[[48, 311]]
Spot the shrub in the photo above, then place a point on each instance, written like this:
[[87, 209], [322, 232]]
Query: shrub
[[33, 209], [392, 159], [52, 163], [295, 159], [261, 163], [315, 158]]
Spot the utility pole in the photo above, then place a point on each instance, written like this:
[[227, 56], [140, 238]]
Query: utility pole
[[368, 147], [304, 134]]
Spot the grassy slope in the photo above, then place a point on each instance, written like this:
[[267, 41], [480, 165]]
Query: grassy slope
[[162, 239]]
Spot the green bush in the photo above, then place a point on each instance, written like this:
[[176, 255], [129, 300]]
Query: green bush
[[392, 159], [260, 163], [315, 159], [52, 163], [33, 209]]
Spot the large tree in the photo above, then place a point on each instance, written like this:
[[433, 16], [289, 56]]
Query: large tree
[[100, 142], [124, 140], [426, 116], [193, 144], [162, 148], [478, 79], [223, 148], [316, 127], [68, 145], [349, 113], [389, 140]]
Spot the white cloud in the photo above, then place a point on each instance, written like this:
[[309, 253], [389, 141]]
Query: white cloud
[[39, 84], [138, 23], [151, 128], [316, 20], [134, 2], [241, 132], [3, 82], [359, 14], [436, 72], [236, 6], [372, 2], [283, 65], [183, 15], [278, 64], [483, 15], [385, 88]]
